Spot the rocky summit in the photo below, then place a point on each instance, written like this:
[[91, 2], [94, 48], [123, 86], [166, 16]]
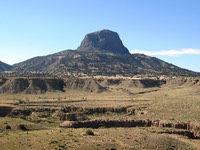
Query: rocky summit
[[104, 40]]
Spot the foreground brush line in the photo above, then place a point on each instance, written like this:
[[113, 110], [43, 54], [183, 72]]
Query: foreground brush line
[[192, 127]]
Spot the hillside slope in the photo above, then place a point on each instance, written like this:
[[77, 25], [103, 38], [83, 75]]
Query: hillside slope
[[4, 66], [100, 53], [99, 63]]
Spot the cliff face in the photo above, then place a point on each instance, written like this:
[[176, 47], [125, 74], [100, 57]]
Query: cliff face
[[104, 40]]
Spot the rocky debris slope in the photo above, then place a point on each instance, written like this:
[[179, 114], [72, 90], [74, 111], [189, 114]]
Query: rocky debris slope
[[42, 85], [84, 84], [137, 83], [31, 85], [183, 81], [102, 84]]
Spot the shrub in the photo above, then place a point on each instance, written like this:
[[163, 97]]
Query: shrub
[[22, 127], [8, 127], [89, 132]]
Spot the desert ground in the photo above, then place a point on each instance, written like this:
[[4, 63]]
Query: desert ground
[[129, 115]]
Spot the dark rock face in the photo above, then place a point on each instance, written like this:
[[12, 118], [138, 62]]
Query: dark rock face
[[5, 110], [105, 40]]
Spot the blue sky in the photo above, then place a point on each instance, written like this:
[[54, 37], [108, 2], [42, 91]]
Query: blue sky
[[166, 29]]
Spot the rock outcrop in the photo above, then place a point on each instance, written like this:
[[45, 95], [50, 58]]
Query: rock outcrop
[[5, 110], [104, 40], [194, 127], [191, 129], [98, 110]]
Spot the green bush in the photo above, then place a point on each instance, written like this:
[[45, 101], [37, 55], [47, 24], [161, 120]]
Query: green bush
[[89, 132]]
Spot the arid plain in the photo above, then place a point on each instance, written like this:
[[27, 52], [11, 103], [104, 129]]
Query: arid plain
[[121, 113]]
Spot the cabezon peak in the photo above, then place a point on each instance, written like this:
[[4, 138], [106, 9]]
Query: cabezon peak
[[103, 40]]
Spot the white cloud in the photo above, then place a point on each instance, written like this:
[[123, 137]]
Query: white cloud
[[172, 52]]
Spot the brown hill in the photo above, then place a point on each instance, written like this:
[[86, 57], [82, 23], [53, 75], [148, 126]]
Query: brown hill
[[137, 83], [30, 86], [84, 84], [143, 83], [14, 85], [183, 81], [109, 82], [42, 85]]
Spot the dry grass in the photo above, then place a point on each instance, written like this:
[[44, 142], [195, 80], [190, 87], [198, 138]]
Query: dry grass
[[112, 138], [166, 103]]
